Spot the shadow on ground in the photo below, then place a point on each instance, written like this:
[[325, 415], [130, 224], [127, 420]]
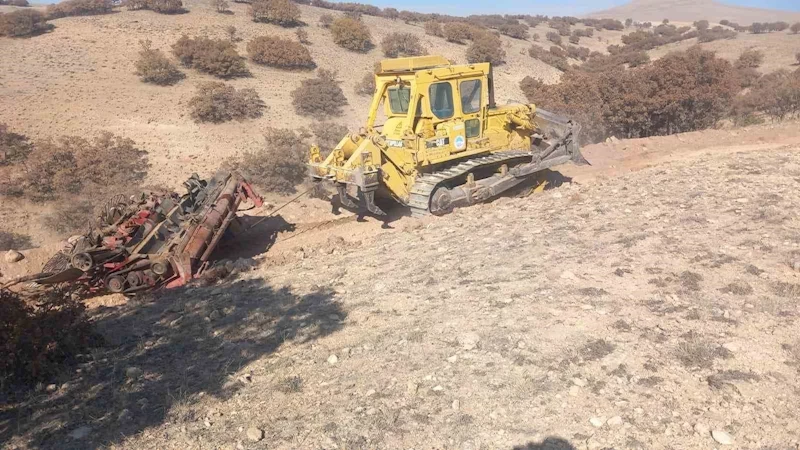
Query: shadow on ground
[[551, 443], [164, 351]]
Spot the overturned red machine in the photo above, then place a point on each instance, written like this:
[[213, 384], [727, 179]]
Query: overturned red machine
[[151, 240]]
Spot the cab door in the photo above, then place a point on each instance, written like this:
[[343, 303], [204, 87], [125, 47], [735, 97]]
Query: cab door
[[472, 101]]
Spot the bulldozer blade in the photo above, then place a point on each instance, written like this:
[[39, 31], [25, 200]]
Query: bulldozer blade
[[560, 132]]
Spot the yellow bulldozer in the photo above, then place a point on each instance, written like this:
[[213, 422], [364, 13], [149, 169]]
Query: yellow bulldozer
[[443, 143]]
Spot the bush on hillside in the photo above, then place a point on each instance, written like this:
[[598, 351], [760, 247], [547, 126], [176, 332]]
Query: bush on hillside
[[221, 6], [278, 52], [39, 338], [680, 92], [326, 20], [159, 6], [486, 48], [319, 97], [214, 56], [701, 25], [351, 34], [750, 59], [574, 39], [433, 28], [546, 57], [391, 13], [581, 53], [327, 135], [217, 102], [715, 34], [514, 30], [795, 28], [280, 12], [23, 23], [554, 37], [73, 165], [401, 44], [366, 86], [776, 94], [279, 166], [19, 3], [457, 32], [79, 8], [153, 66], [14, 148]]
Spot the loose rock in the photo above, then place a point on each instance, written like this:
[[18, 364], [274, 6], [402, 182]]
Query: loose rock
[[80, 432], [13, 256], [722, 437], [255, 434], [333, 359], [597, 422]]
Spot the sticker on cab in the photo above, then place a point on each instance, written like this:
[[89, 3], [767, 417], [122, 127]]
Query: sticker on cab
[[460, 142]]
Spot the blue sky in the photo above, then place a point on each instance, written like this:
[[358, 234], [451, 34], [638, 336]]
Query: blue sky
[[547, 7]]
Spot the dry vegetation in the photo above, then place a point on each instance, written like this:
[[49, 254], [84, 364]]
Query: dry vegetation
[[24, 23], [279, 12], [79, 8], [351, 34], [153, 66], [486, 47], [278, 52], [279, 166], [213, 56], [218, 102], [319, 97], [396, 45], [159, 6]]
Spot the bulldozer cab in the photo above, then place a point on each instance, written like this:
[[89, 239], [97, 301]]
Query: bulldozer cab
[[428, 97]]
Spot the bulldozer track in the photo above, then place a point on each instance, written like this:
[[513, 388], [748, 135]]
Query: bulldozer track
[[424, 186]]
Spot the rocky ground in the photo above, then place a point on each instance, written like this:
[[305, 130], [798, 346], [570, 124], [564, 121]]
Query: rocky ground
[[655, 308]]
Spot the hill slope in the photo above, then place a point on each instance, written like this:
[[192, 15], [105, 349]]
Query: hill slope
[[691, 10]]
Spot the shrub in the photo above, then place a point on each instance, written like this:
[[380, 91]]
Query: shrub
[[535, 37], [351, 34], [391, 13], [558, 52], [325, 20], [327, 135], [24, 22], [73, 165], [302, 36], [159, 6], [217, 102], [554, 37], [79, 8], [776, 94], [14, 148], [153, 66], [701, 25], [514, 30], [457, 32], [14, 241], [548, 58], [279, 166], [433, 28], [19, 3], [280, 12], [486, 48], [231, 31], [795, 28], [574, 39], [366, 86], [635, 59], [680, 92], [221, 6], [750, 59], [38, 338], [581, 53], [320, 96], [213, 56], [716, 33], [401, 44], [278, 52]]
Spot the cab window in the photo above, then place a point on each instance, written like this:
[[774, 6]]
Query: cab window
[[441, 95], [471, 96], [399, 98]]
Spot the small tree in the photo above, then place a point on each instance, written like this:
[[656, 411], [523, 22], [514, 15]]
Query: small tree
[[213, 56], [166, 6], [279, 166], [351, 34], [701, 25], [628, 22], [486, 48], [575, 39], [554, 37], [750, 59], [433, 28], [14, 148], [231, 31], [401, 44], [457, 32], [319, 97], [23, 22], [280, 12], [514, 30], [217, 102], [79, 8], [153, 66], [221, 6], [391, 13], [795, 28], [277, 52]]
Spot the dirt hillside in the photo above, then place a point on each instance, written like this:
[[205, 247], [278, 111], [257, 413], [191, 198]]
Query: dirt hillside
[[651, 303], [691, 10]]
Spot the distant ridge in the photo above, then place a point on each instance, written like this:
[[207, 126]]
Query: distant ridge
[[691, 10]]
